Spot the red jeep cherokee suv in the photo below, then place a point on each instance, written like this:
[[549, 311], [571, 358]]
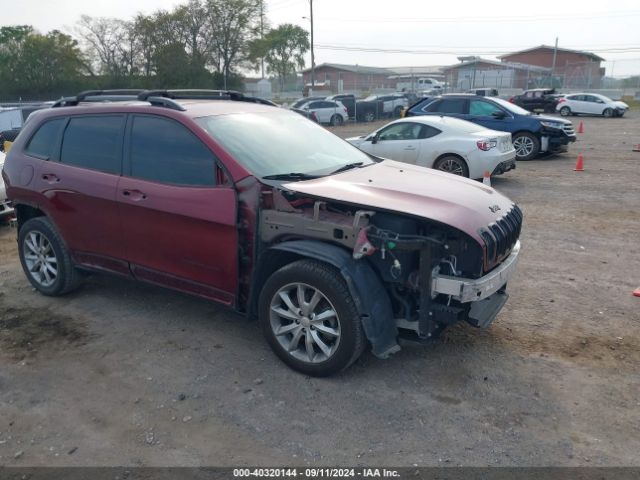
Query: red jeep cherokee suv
[[263, 211]]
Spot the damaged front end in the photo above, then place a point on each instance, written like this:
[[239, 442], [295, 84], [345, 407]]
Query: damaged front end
[[411, 277]]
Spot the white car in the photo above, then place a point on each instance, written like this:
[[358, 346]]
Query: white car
[[444, 143], [327, 111], [590, 103], [5, 206]]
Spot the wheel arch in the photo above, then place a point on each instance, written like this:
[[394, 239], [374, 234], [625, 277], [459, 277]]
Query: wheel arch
[[364, 284], [452, 154], [26, 212]]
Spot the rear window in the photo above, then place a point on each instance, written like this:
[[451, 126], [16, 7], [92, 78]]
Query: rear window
[[93, 143], [42, 143]]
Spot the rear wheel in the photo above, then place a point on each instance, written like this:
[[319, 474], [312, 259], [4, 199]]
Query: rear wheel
[[527, 146], [336, 120], [369, 116], [607, 113], [45, 258], [452, 164], [565, 111], [310, 319]]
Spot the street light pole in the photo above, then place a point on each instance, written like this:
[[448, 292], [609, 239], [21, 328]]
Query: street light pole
[[313, 62]]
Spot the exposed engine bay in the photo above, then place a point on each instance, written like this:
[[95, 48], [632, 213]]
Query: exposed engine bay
[[421, 263]]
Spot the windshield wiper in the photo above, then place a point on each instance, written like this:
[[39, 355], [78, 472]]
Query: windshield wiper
[[290, 176], [346, 167]]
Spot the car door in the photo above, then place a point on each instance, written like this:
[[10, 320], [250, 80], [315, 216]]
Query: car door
[[594, 105], [322, 112], [398, 141], [79, 183], [489, 115], [179, 214], [577, 104]]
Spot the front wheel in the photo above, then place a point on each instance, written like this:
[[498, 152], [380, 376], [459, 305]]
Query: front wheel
[[45, 258], [336, 120], [309, 318], [452, 164], [369, 116], [527, 146], [565, 111], [608, 113]]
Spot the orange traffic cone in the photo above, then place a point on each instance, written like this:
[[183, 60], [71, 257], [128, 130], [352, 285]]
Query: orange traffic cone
[[636, 292], [486, 178], [579, 164], [581, 128]]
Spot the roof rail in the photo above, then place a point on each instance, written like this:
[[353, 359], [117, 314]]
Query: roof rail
[[98, 96], [165, 102], [193, 94]]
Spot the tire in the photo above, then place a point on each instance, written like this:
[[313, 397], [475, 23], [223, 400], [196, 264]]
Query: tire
[[337, 120], [607, 112], [369, 116], [452, 164], [565, 111], [322, 347], [38, 242], [527, 145]]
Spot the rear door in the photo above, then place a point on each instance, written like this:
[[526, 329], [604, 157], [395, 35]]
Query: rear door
[[452, 107], [179, 213], [322, 112], [79, 183]]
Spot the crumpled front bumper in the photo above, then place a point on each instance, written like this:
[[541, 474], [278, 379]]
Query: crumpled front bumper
[[467, 290]]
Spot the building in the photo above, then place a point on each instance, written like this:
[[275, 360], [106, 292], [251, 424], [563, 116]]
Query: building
[[350, 78], [476, 72], [572, 69]]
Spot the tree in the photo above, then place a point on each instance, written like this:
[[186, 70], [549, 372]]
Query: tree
[[283, 49], [234, 24]]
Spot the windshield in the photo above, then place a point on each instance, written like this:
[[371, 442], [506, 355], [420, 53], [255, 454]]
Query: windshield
[[511, 107], [274, 143]]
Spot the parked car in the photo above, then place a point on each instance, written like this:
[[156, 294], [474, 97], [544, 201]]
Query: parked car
[[5, 205], [591, 104], [306, 113], [254, 207], [346, 99], [381, 106], [327, 111], [13, 117], [531, 134], [301, 101], [444, 143], [544, 99]]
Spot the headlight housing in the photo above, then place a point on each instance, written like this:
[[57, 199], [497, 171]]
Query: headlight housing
[[555, 125]]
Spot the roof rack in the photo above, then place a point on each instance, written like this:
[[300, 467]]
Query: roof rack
[[161, 98], [117, 95]]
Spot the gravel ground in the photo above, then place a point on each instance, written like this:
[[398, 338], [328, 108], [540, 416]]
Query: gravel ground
[[120, 373]]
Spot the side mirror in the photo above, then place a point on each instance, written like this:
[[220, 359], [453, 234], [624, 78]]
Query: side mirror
[[498, 115], [375, 138]]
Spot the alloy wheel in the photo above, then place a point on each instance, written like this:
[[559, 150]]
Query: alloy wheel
[[40, 259], [452, 165], [524, 146], [305, 323]]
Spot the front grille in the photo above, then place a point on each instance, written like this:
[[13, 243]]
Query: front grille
[[501, 236], [568, 129]]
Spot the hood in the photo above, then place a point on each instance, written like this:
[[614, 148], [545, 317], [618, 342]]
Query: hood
[[464, 204], [545, 118], [620, 104], [356, 141]]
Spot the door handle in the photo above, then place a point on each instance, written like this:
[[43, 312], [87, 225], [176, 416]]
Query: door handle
[[410, 148], [50, 178], [135, 195]]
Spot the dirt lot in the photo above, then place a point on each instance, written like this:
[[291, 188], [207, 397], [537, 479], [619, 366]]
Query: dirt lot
[[120, 373]]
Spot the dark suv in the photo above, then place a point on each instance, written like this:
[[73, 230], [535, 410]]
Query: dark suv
[[544, 99], [261, 210], [531, 134]]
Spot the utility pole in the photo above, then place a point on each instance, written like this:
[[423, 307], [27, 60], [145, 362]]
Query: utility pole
[[262, 34], [313, 62], [553, 64]]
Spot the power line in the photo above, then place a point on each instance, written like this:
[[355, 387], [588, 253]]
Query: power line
[[484, 20]]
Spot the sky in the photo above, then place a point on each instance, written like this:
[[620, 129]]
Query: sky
[[407, 32]]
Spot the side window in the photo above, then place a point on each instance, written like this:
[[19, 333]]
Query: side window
[[428, 131], [315, 105], [165, 151], [484, 109], [93, 143], [529, 94], [450, 105], [401, 131], [46, 137]]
